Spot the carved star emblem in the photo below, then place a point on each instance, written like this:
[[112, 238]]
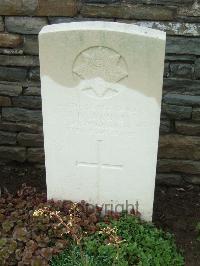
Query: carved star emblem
[[100, 62]]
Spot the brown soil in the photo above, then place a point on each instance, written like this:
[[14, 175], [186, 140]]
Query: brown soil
[[177, 210]]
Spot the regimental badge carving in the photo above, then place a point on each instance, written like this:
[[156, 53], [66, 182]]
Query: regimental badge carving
[[100, 63]]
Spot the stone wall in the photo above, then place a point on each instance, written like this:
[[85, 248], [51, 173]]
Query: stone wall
[[21, 139]]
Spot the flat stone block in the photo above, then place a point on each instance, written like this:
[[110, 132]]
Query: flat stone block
[[12, 153], [197, 68], [182, 166], [168, 179], [148, 12], [30, 140], [176, 111], [25, 25], [179, 147], [165, 2], [31, 45], [173, 28], [21, 115], [165, 126], [10, 89], [1, 24], [5, 101], [32, 91], [196, 114], [13, 73], [192, 179], [191, 10], [10, 40], [182, 70], [187, 128], [19, 7], [180, 57], [38, 7], [11, 51], [32, 102], [57, 8], [181, 86], [25, 61], [35, 155], [7, 138], [34, 74], [18, 127], [182, 99], [101, 1], [180, 45], [13, 175]]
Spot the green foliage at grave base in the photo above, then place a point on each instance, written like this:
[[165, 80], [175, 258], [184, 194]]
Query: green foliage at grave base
[[123, 242]]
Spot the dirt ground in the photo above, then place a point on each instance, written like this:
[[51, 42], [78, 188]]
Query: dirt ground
[[177, 210]]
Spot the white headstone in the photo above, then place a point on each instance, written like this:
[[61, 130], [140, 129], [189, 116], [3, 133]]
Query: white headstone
[[101, 93]]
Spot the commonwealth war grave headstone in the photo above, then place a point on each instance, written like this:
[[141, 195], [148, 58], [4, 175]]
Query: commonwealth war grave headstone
[[101, 94]]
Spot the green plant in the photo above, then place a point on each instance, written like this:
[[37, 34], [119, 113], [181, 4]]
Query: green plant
[[122, 242]]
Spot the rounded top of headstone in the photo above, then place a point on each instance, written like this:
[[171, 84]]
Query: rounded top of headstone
[[104, 26]]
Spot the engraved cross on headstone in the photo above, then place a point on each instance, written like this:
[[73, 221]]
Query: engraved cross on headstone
[[99, 165]]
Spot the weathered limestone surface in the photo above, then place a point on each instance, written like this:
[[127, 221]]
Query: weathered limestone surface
[[102, 111]]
